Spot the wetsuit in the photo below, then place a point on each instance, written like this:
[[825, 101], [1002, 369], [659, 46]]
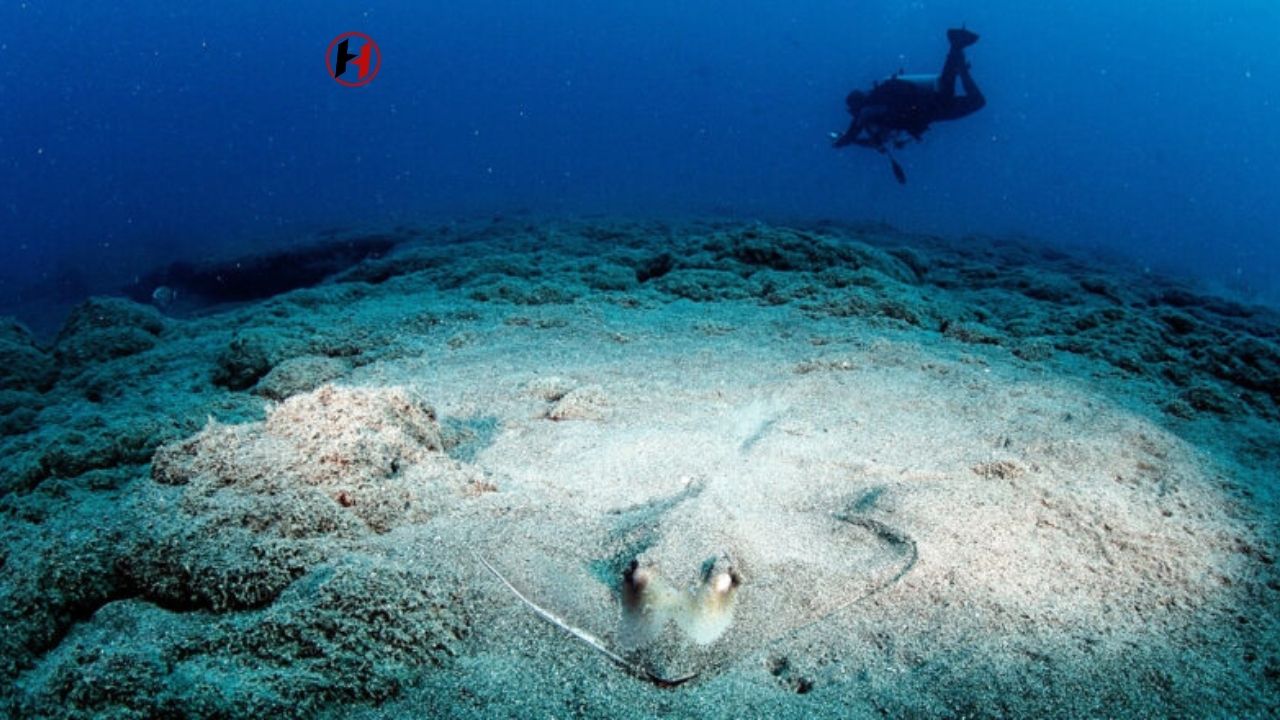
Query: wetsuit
[[907, 104]]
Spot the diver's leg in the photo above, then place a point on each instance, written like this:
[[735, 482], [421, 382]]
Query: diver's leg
[[956, 64], [957, 106], [950, 69], [971, 91]]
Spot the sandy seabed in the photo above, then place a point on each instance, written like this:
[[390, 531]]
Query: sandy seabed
[[777, 472]]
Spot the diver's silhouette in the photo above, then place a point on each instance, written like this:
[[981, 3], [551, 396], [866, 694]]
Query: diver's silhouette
[[902, 107]]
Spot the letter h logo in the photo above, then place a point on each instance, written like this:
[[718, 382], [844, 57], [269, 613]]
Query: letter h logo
[[366, 61]]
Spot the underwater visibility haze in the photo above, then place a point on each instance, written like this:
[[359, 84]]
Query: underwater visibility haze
[[133, 132], [603, 359]]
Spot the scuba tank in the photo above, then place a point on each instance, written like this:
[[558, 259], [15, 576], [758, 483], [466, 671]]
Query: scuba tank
[[919, 83]]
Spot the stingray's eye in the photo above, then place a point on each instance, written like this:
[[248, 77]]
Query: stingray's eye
[[722, 583]]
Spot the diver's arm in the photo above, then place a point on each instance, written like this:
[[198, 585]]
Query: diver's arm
[[853, 136], [850, 136]]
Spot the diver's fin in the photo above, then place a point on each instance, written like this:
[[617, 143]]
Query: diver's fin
[[898, 172], [961, 38]]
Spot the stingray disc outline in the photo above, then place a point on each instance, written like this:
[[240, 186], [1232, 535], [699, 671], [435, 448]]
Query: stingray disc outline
[[663, 678]]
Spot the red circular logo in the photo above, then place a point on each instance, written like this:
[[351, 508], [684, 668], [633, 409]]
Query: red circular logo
[[353, 59]]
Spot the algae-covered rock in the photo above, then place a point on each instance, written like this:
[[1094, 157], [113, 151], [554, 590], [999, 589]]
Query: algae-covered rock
[[249, 356], [18, 411], [252, 353], [250, 530], [1251, 363], [23, 365], [51, 572], [44, 444], [972, 332], [789, 250], [223, 551], [18, 422], [114, 666], [14, 400], [359, 629], [608, 276], [74, 452], [704, 285], [1034, 350], [520, 292], [299, 375], [103, 328]]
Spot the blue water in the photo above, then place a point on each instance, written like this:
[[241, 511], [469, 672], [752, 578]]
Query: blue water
[[137, 133]]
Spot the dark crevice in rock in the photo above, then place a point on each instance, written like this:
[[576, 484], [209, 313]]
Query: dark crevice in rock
[[260, 276]]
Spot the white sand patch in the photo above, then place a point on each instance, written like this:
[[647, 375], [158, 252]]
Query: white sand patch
[[1024, 497]]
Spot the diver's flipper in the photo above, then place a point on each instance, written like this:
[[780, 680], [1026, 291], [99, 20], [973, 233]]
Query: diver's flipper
[[898, 172], [961, 38]]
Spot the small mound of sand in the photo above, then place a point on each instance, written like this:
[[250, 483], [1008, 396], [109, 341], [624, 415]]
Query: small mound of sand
[[378, 430], [256, 505], [584, 403]]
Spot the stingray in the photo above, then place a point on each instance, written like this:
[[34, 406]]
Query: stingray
[[682, 586]]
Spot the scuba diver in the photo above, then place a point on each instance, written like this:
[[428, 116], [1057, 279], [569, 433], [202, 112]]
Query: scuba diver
[[901, 108]]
